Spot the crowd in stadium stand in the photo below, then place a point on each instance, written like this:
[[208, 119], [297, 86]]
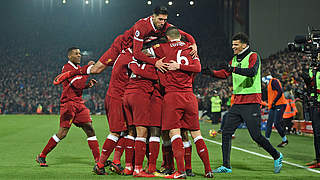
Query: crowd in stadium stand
[[27, 74]]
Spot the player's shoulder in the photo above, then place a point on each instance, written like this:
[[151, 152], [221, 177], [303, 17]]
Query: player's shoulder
[[144, 22], [254, 54], [142, 27], [66, 66], [69, 66]]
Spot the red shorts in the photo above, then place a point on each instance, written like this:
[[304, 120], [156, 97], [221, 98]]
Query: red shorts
[[73, 112], [155, 110], [136, 107], [180, 110], [115, 114], [110, 56]]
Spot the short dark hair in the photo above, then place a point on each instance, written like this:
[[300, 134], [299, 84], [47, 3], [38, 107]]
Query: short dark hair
[[71, 49], [173, 32], [160, 10], [242, 37]]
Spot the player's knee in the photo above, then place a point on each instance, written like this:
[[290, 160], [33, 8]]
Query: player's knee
[[141, 131], [257, 138], [184, 135], [88, 129], [63, 131], [195, 134], [226, 135], [155, 131], [90, 133], [165, 135], [132, 131], [61, 135], [174, 132], [116, 134]]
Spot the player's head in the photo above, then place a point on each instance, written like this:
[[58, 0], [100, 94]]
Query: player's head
[[173, 33], [215, 92], [160, 16], [74, 55], [239, 42], [266, 79]]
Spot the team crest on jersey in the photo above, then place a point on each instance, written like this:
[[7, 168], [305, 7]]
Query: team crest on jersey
[[137, 34], [156, 46]]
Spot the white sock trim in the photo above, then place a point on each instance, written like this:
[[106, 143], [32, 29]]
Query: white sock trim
[[55, 138], [197, 138], [141, 139], [89, 69], [113, 138], [175, 137], [187, 144], [129, 137], [166, 143], [93, 138], [154, 139]]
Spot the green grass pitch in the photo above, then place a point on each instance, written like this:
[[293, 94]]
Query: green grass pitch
[[22, 137]]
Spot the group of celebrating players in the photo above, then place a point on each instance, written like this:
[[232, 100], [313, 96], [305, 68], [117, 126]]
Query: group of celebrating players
[[149, 95]]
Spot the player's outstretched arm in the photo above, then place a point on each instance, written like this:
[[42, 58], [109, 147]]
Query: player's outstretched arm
[[97, 68], [91, 68]]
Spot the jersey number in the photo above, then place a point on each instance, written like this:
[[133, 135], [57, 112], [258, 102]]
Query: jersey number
[[180, 58]]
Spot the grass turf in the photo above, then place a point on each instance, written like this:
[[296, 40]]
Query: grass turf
[[22, 137]]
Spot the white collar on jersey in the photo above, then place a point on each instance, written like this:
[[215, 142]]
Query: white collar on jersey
[[154, 28], [74, 66], [244, 50]]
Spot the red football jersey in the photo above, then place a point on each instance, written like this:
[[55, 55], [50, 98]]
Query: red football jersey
[[119, 76], [142, 31], [182, 79], [73, 87], [142, 78]]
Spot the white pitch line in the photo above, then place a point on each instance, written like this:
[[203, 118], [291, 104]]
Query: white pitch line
[[268, 157]]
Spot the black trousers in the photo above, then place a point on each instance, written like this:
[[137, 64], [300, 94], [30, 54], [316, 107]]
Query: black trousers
[[315, 117], [251, 115], [215, 117]]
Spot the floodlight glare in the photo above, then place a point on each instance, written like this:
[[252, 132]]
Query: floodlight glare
[[149, 2], [87, 2], [191, 3], [107, 1], [64, 1], [170, 3]]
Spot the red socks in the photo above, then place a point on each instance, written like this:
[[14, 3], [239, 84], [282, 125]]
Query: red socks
[[154, 145], [187, 154], [168, 155], [53, 141], [129, 151], [94, 146], [140, 151], [107, 148], [178, 152], [203, 152], [119, 150]]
